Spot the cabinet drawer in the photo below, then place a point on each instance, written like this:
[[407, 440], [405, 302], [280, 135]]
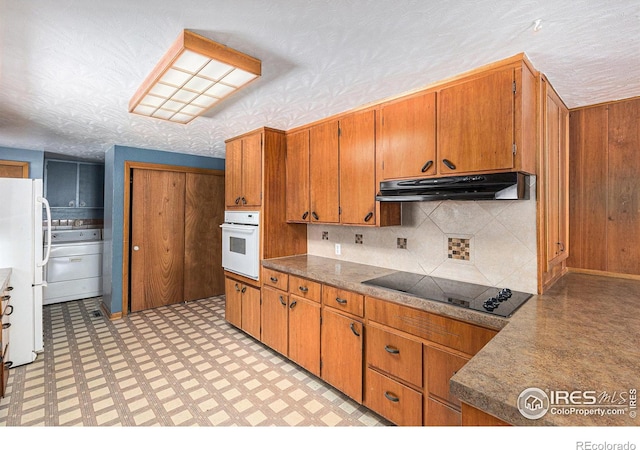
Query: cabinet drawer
[[439, 415], [451, 333], [394, 354], [347, 301], [273, 278], [393, 400], [440, 367], [305, 288]]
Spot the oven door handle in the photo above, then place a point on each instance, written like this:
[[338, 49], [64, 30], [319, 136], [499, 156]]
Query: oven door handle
[[247, 229]]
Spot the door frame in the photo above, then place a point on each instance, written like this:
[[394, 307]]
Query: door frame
[[23, 164], [126, 221]]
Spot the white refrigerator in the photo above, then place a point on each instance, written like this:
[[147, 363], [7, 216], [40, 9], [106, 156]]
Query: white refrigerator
[[21, 249]]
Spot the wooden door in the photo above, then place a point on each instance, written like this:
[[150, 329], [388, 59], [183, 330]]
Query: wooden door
[[233, 302], [556, 153], [408, 137], [297, 177], [233, 173], [358, 169], [251, 310], [204, 212], [323, 170], [14, 169], [252, 170], [342, 339], [157, 238], [304, 333], [275, 314], [476, 124]]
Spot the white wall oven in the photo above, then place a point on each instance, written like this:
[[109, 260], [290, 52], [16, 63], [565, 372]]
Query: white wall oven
[[241, 243]]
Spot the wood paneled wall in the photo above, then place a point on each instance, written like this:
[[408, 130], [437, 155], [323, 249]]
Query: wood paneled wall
[[604, 187]]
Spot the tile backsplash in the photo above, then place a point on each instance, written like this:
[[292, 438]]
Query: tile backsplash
[[496, 239]]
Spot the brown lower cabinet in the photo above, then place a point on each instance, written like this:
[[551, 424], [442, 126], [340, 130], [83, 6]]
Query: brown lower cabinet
[[396, 360]]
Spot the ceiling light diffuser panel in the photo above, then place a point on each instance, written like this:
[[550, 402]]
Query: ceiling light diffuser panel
[[192, 77]]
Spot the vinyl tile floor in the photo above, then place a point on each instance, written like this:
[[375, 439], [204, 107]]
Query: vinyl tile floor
[[179, 365]]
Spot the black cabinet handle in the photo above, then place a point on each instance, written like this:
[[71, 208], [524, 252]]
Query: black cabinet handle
[[10, 311], [392, 350], [314, 215], [293, 304], [303, 289], [342, 301], [353, 329], [244, 201], [391, 397], [8, 364], [449, 164], [6, 325], [6, 297], [244, 289], [274, 279], [237, 288], [238, 201], [368, 217], [426, 166], [10, 288], [305, 215], [282, 302]]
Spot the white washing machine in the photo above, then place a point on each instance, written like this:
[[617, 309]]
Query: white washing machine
[[74, 270]]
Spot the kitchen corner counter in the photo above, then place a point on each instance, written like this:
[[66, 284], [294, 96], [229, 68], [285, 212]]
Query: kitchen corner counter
[[348, 275], [583, 335]]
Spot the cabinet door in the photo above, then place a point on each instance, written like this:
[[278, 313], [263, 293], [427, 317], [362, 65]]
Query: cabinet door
[[251, 310], [323, 170], [233, 173], [440, 366], [342, 353], [556, 151], [304, 333], [357, 169], [274, 313], [62, 178], [297, 181], [91, 185], [233, 302], [252, 170], [476, 124], [408, 137]]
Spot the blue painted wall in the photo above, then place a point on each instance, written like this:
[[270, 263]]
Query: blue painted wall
[[34, 157], [114, 208]]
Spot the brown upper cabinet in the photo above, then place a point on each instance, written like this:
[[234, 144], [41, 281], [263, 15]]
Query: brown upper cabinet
[[408, 137], [243, 166], [324, 184]]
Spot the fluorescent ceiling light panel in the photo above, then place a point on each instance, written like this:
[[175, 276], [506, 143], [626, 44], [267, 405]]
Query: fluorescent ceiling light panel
[[191, 78]]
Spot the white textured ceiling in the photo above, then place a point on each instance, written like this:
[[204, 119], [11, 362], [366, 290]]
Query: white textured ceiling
[[69, 67]]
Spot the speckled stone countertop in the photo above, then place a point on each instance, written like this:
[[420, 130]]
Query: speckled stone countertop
[[347, 275], [4, 276], [582, 335]]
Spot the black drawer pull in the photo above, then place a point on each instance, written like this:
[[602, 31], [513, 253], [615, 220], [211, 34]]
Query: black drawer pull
[[274, 279], [391, 397], [282, 302], [449, 164], [392, 350], [10, 288], [342, 301], [426, 166], [368, 217], [8, 364], [6, 297], [353, 329], [293, 304], [303, 289], [315, 216], [305, 215], [6, 325], [10, 311]]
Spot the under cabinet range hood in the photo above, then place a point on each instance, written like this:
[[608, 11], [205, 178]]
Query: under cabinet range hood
[[494, 186]]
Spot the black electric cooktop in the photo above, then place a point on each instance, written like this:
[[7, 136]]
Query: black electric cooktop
[[492, 300]]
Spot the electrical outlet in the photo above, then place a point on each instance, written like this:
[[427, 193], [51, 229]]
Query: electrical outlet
[[338, 249]]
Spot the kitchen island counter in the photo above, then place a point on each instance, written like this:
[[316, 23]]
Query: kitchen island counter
[[581, 337]]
